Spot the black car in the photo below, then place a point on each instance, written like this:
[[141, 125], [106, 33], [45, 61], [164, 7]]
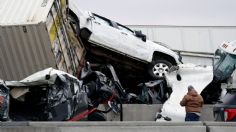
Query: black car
[[225, 109]]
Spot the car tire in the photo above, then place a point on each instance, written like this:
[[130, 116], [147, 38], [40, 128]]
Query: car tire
[[157, 69]]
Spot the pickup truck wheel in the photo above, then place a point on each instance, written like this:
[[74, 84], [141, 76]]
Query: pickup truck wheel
[[159, 68]]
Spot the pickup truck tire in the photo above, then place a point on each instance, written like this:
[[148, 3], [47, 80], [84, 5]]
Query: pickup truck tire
[[157, 69]]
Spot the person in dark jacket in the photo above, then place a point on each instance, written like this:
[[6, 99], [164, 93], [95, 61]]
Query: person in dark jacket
[[193, 104]]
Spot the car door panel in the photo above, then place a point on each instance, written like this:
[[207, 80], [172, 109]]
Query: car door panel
[[133, 46], [142, 48], [104, 34]]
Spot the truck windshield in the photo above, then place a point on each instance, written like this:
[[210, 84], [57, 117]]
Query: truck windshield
[[224, 64]]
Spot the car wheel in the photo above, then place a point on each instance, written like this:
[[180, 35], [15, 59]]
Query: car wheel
[[159, 68]]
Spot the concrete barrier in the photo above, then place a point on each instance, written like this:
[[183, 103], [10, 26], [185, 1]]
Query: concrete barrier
[[137, 118], [104, 126], [140, 112], [207, 113], [131, 126], [220, 126], [28, 129], [144, 112]]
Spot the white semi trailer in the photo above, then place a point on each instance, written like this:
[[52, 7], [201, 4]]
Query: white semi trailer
[[35, 35]]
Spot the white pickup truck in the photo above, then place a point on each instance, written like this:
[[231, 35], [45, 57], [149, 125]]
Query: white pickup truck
[[114, 37]]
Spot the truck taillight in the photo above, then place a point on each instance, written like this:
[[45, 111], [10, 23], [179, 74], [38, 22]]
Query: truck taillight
[[229, 114]]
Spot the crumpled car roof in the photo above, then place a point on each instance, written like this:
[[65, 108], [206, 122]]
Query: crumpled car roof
[[46, 76]]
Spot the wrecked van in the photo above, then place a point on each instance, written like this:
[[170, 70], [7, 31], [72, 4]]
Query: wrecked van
[[114, 42]]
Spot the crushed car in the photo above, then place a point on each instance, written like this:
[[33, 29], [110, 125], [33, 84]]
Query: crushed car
[[53, 95], [48, 95], [103, 88], [224, 76], [151, 92], [223, 71], [107, 41], [4, 101]]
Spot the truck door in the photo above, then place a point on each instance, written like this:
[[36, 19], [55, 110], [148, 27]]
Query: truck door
[[104, 34], [134, 46]]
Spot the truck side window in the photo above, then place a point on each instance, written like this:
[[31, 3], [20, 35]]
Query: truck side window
[[123, 28], [102, 21]]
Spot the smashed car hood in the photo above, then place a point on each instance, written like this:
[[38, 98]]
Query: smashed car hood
[[197, 76], [44, 77], [39, 78]]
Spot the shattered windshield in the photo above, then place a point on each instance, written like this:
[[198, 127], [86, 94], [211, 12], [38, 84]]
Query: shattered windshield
[[224, 64]]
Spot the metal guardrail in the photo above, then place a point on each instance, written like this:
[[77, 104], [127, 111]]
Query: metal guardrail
[[196, 54]]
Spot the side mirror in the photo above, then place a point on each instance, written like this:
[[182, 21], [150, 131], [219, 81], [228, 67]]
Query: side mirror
[[139, 34], [90, 16]]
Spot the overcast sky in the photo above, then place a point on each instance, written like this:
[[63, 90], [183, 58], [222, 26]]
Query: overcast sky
[[165, 12]]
